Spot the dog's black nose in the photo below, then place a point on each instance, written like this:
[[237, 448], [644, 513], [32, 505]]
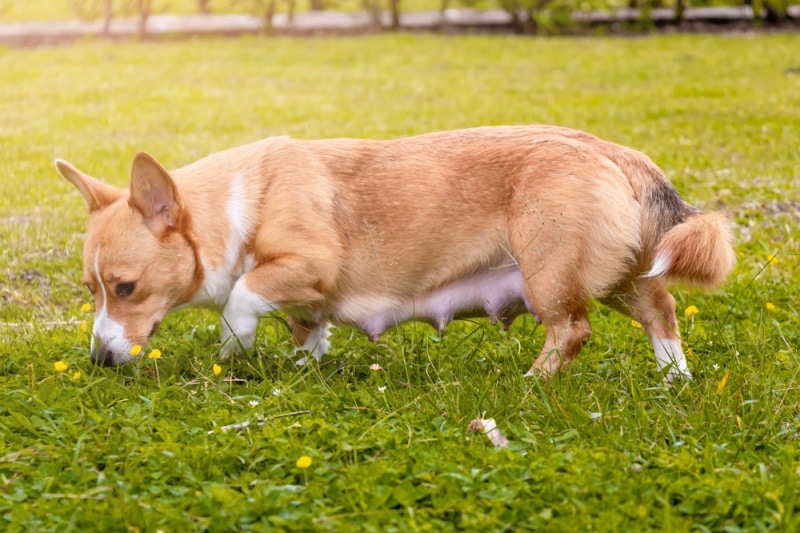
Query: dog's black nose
[[102, 356]]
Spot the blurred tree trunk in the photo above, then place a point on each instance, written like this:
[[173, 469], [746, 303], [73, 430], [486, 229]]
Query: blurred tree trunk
[[512, 7], [443, 7], [394, 6], [531, 24], [633, 4], [204, 6], [268, 14], [680, 9], [373, 9], [108, 14], [144, 7], [775, 13]]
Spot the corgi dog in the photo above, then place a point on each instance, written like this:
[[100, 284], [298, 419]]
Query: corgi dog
[[483, 222]]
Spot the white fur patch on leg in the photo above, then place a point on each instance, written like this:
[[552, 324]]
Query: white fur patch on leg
[[316, 344], [661, 266], [240, 318], [669, 354]]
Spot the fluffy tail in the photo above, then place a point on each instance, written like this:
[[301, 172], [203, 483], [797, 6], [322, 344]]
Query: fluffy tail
[[697, 251]]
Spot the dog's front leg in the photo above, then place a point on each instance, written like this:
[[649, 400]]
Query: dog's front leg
[[240, 318], [278, 284]]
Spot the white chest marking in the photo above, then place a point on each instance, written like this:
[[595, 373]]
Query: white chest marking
[[219, 281]]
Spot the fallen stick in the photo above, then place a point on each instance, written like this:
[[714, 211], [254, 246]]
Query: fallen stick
[[489, 428]]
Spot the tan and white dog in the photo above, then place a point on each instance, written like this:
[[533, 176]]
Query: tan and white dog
[[493, 221]]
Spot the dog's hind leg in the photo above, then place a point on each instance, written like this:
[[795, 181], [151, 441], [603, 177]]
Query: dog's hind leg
[[553, 280], [311, 337], [648, 302], [566, 334], [573, 226]]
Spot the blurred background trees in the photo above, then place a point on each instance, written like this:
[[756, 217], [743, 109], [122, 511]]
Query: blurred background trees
[[526, 16]]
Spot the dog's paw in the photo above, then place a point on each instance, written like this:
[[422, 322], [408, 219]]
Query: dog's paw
[[537, 372], [546, 365], [226, 350], [240, 319], [235, 343], [316, 344]]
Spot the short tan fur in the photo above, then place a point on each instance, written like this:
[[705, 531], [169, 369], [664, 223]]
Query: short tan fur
[[489, 221]]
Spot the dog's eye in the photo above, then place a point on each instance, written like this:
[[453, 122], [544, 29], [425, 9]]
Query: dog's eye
[[125, 289]]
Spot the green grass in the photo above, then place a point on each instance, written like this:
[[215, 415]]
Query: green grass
[[603, 447]]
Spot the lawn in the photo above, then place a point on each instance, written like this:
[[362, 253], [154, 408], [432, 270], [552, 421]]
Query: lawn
[[604, 446]]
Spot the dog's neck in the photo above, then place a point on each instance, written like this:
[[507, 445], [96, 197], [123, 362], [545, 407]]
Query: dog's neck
[[223, 201]]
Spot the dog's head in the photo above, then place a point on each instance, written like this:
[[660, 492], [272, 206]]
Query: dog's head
[[139, 260]]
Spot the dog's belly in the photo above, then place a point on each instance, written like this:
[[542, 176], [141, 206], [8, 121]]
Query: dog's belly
[[496, 293]]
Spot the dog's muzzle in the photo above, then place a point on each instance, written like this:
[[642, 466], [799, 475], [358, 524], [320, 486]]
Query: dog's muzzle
[[102, 356]]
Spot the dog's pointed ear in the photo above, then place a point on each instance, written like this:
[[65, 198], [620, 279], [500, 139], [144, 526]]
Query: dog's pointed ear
[[154, 194], [96, 193]]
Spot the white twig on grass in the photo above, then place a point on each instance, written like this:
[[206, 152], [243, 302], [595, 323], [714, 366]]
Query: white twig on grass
[[489, 428], [48, 324], [242, 425]]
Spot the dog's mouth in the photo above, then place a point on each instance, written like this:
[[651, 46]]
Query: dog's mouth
[[102, 354]]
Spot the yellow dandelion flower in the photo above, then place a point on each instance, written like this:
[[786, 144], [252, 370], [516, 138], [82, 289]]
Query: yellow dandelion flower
[[85, 308], [690, 353], [84, 326], [637, 325], [771, 306], [691, 310], [216, 369], [772, 258], [76, 376], [60, 366], [135, 350], [304, 462], [154, 354]]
